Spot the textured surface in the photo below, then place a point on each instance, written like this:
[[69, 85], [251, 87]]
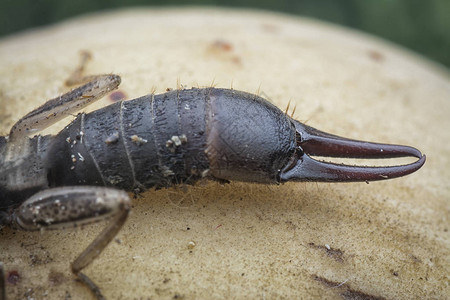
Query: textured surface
[[386, 239]]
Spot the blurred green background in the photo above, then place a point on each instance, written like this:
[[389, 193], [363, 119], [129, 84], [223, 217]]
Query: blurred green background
[[421, 25]]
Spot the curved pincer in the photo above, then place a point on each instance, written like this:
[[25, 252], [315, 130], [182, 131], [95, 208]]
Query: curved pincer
[[313, 142]]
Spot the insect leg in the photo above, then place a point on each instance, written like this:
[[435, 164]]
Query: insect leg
[[60, 107], [2, 282], [74, 206]]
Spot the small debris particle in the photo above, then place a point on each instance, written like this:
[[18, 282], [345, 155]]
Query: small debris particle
[[191, 245], [166, 172], [183, 139], [74, 160], [176, 140], [336, 254], [80, 156], [35, 210], [114, 179], [345, 291], [117, 96], [68, 140], [112, 138], [205, 173], [223, 50], [169, 144], [222, 45], [376, 55], [49, 221], [138, 140], [13, 277]]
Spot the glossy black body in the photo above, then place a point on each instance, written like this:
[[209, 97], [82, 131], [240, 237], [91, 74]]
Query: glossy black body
[[229, 135]]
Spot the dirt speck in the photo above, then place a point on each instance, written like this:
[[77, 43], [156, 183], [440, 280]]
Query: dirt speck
[[376, 55], [225, 51], [117, 96], [222, 45], [345, 291], [336, 254], [13, 277]]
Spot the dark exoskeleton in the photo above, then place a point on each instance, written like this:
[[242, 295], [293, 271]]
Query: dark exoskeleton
[[158, 141]]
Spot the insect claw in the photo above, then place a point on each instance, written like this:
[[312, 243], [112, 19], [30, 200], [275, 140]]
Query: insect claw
[[317, 143], [309, 169]]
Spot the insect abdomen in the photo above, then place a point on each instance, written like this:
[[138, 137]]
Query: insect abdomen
[[150, 141], [176, 137]]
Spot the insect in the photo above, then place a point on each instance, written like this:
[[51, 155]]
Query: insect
[[79, 175]]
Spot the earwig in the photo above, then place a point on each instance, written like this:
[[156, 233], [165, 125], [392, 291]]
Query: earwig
[[157, 141]]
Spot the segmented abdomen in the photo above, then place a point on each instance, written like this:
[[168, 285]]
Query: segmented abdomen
[[172, 138], [152, 141]]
